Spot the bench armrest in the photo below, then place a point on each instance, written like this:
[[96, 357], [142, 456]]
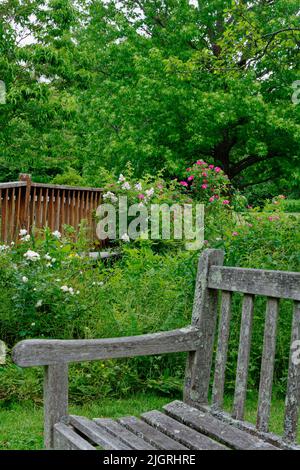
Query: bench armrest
[[40, 352]]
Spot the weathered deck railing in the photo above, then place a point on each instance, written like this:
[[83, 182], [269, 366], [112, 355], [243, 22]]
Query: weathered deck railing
[[25, 204]]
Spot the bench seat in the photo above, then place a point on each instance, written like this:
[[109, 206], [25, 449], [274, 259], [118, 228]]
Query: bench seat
[[177, 427]]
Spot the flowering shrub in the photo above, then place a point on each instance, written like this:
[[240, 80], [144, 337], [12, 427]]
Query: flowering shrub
[[206, 183]]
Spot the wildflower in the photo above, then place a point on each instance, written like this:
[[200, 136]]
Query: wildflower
[[121, 178], [56, 234], [24, 279], [64, 288], [111, 196], [32, 256], [26, 238], [77, 292], [12, 243], [141, 196], [125, 238], [190, 178], [204, 186], [126, 185], [71, 290], [33, 324], [149, 192], [183, 183], [234, 234], [39, 303], [23, 232], [47, 257], [138, 186], [4, 248], [225, 202]]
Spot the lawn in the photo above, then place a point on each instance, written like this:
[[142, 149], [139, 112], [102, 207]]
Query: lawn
[[21, 425]]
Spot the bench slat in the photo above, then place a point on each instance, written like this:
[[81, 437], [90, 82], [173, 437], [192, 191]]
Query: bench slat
[[243, 357], [267, 365], [97, 435], [65, 438], [156, 438], [222, 349], [123, 434], [209, 425], [279, 284], [292, 402], [181, 433]]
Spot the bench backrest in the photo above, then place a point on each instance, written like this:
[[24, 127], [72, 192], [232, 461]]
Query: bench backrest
[[212, 278]]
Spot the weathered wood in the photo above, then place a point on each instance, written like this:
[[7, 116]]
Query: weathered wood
[[209, 425], [278, 284], [156, 438], [55, 399], [62, 187], [126, 436], [204, 317], [267, 365], [13, 184], [243, 357], [222, 349], [43, 352], [180, 432], [292, 401], [65, 438], [93, 432]]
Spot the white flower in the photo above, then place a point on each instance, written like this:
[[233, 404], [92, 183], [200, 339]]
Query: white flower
[[100, 283], [141, 204], [58, 280], [31, 255], [23, 232], [56, 234], [111, 196], [39, 303], [24, 279], [138, 186], [71, 290], [65, 288], [125, 238], [121, 178], [149, 192], [78, 292], [26, 238], [126, 185], [32, 324], [48, 265], [4, 248], [47, 257], [53, 260], [12, 243]]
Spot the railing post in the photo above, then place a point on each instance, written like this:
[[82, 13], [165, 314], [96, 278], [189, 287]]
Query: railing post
[[24, 221], [55, 399]]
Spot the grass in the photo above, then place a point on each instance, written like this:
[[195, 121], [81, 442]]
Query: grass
[[21, 425]]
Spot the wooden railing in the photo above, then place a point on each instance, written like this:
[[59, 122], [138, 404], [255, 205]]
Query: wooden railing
[[28, 205]]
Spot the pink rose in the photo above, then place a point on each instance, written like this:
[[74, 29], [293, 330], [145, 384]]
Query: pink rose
[[188, 169], [217, 169], [199, 162], [225, 201], [211, 166], [204, 174], [183, 183], [204, 186], [211, 199], [190, 178]]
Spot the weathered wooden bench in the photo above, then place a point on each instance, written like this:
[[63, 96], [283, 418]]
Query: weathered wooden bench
[[191, 423]]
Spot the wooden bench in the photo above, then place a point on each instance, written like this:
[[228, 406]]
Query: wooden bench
[[191, 423]]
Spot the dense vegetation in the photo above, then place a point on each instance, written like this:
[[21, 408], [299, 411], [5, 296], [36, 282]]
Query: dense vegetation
[[92, 85]]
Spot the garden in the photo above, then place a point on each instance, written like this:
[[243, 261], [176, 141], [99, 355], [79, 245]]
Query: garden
[[162, 103]]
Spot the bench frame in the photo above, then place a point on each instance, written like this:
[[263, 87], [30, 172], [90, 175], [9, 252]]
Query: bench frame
[[198, 340]]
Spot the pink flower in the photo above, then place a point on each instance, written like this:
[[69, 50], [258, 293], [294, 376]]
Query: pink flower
[[183, 183], [234, 234], [204, 186], [199, 162], [190, 178], [141, 196], [226, 201], [160, 186], [204, 174], [188, 169], [250, 207], [211, 199], [211, 166], [217, 169], [216, 196]]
